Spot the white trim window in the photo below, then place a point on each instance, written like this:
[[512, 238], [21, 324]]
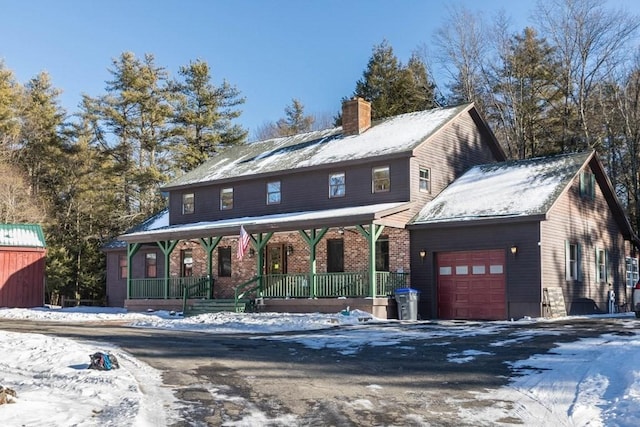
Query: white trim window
[[273, 193], [188, 203], [380, 179], [631, 269], [601, 265], [226, 198], [425, 180], [572, 261], [337, 185]]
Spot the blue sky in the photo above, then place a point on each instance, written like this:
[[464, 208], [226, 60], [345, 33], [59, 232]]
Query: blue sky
[[272, 51]]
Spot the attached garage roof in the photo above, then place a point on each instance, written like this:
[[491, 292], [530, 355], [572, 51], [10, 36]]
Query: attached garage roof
[[500, 190], [21, 235]]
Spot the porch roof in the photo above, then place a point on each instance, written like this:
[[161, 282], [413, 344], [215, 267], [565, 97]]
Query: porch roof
[[292, 221]]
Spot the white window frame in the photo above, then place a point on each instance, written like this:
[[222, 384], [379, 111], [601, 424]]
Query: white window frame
[[631, 271], [572, 261], [587, 185], [188, 203], [380, 184], [424, 177], [226, 198], [337, 184], [274, 196], [601, 265]]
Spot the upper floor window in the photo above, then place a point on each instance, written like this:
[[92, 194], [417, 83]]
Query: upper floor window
[[380, 179], [150, 265], [224, 261], [572, 261], [226, 198], [188, 203], [337, 185], [273, 192], [587, 185], [425, 180]]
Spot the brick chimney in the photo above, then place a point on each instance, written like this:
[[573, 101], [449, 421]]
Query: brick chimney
[[356, 116]]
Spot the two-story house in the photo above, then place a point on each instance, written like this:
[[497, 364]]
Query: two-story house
[[342, 217]]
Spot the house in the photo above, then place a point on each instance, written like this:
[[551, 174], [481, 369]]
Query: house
[[327, 212], [343, 217], [514, 239], [22, 264]]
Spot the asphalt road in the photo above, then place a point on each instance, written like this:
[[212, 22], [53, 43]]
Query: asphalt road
[[292, 384]]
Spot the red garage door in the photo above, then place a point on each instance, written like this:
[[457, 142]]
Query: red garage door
[[471, 285]]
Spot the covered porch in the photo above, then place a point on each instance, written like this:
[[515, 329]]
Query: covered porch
[[273, 290]]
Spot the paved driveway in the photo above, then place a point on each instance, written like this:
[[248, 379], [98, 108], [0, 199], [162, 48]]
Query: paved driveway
[[390, 374]]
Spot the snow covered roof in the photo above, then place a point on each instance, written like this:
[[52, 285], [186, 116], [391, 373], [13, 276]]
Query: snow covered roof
[[397, 134], [21, 235], [276, 222], [507, 189]]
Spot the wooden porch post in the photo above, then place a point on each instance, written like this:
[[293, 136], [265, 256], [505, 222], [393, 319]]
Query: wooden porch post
[[209, 244], [372, 237], [312, 239], [166, 246], [259, 241], [132, 248]]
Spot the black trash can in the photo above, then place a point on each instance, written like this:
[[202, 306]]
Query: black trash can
[[407, 301]]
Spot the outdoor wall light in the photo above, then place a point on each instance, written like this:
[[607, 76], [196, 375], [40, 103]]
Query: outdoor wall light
[[514, 250], [289, 250], [252, 252], [341, 230], [423, 254]]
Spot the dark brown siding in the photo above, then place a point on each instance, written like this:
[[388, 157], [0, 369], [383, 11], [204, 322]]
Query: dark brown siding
[[299, 192], [590, 224], [117, 286], [21, 277], [522, 271]]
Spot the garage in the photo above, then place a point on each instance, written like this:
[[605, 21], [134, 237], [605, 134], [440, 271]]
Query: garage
[[472, 285]]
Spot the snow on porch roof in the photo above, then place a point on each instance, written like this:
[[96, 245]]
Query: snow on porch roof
[[507, 189], [392, 135], [277, 222], [22, 235]]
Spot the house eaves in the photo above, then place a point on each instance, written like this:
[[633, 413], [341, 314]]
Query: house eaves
[[394, 136], [293, 221]]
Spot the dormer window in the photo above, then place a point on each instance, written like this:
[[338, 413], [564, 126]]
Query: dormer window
[[337, 185], [226, 198], [380, 180], [188, 203]]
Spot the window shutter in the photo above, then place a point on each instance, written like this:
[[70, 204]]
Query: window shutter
[[597, 275], [592, 187], [567, 260], [582, 183], [578, 262]]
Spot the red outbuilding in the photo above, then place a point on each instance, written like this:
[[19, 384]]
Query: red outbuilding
[[22, 262]]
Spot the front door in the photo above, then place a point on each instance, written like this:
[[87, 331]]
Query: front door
[[276, 262]]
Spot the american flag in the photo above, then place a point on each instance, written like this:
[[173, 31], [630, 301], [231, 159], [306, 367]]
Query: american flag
[[243, 243]]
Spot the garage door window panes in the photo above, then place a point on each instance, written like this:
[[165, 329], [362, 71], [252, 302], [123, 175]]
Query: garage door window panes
[[462, 270], [478, 269], [445, 271], [496, 269]]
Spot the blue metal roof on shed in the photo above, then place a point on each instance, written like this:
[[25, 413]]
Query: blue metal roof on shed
[[22, 235]]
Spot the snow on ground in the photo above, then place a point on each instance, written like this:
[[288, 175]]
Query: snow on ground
[[591, 382]]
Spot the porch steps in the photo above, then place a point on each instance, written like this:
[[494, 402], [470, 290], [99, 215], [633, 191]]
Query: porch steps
[[217, 306]]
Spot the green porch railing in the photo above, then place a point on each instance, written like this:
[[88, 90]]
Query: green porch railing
[[328, 285], [199, 287], [332, 285]]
